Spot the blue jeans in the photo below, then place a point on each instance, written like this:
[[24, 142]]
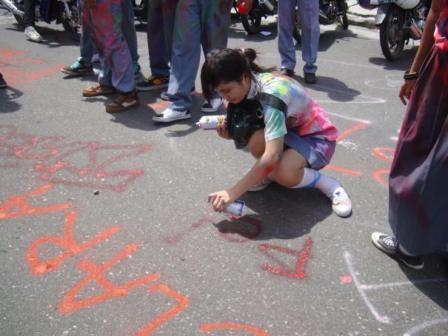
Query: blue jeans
[[161, 16], [104, 25], [309, 15], [198, 23], [88, 48]]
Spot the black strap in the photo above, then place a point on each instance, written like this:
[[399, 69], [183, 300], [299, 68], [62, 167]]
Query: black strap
[[273, 101]]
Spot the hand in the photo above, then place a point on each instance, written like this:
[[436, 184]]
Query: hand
[[406, 90], [221, 199], [223, 132]]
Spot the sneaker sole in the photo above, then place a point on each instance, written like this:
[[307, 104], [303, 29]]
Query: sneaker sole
[[166, 120], [152, 88]]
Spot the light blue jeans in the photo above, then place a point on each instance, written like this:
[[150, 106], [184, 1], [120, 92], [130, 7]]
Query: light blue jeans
[[87, 47], [309, 15], [198, 23], [161, 16]]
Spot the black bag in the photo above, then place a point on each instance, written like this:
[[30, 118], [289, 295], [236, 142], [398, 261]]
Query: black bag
[[246, 117]]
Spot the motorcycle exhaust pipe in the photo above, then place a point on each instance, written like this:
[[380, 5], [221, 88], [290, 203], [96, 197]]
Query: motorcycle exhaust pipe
[[11, 7]]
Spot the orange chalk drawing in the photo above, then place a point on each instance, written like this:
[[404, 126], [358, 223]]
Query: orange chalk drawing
[[356, 127], [283, 270], [96, 273], [67, 242], [255, 331], [343, 170], [182, 304], [385, 154], [18, 206]]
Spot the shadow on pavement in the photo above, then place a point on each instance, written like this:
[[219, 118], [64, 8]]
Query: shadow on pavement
[[336, 89], [7, 97], [284, 213]]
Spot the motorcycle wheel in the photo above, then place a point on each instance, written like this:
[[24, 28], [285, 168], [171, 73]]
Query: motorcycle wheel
[[71, 24], [343, 20], [19, 19], [251, 22], [392, 37]]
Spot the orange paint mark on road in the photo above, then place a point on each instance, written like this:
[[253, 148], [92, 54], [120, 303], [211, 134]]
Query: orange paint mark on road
[[356, 127], [96, 273], [18, 206], [346, 279], [182, 304], [381, 176], [255, 331], [382, 153], [67, 242], [343, 170], [160, 105]]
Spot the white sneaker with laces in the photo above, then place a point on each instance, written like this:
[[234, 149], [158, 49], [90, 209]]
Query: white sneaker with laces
[[341, 203], [169, 115], [261, 186], [213, 106], [32, 34]]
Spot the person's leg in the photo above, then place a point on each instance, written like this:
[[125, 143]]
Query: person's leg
[[130, 34], [185, 58], [309, 14], [286, 22], [29, 18]]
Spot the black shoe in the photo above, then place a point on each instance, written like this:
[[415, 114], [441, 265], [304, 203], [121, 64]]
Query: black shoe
[[310, 77], [2, 82], [389, 245], [287, 72]]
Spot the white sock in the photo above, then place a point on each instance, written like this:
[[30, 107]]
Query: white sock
[[314, 179]]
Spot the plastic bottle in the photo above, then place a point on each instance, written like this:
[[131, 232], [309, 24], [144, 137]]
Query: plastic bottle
[[236, 208], [211, 122]]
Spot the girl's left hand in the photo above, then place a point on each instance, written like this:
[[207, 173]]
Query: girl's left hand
[[221, 199]]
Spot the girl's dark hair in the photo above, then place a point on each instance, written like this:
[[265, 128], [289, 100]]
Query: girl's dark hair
[[227, 65]]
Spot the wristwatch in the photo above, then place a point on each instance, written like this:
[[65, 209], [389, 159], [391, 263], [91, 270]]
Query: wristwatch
[[410, 75]]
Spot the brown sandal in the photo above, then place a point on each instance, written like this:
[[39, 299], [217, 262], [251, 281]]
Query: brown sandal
[[98, 90]]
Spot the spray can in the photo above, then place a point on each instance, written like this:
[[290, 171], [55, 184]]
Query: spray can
[[211, 122], [236, 208]]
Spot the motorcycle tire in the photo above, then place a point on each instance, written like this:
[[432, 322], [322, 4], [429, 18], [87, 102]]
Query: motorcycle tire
[[72, 24], [19, 19], [251, 22], [392, 37], [343, 20]]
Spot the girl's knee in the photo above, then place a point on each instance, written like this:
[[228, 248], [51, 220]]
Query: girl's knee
[[257, 144]]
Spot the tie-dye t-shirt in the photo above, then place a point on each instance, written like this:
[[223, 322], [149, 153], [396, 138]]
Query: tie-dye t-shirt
[[441, 33], [310, 118]]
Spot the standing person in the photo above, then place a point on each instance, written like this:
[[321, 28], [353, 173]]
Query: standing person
[[83, 65], [309, 17], [29, 20], [418, 183], [295, 141], [198, 22], [3, 84], [161, 15], [103, 20]]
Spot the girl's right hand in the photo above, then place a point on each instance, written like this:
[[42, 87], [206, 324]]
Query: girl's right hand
[[406, 90], [223, 132]]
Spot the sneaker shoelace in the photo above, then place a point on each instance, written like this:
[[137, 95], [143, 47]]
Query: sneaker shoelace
[[389, 241]]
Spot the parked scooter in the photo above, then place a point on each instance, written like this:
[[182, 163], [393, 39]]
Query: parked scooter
[[61, 11], [399, 21]]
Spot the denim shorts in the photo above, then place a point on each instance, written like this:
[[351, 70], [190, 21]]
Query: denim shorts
[[316, 151]]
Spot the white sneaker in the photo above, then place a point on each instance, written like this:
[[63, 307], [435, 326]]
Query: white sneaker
[[213, 106], [341, 203], [261, 186], [32, 34], [169, 115]]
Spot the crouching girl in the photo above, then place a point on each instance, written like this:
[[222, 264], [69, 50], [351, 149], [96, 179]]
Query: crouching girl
[[285, 130]]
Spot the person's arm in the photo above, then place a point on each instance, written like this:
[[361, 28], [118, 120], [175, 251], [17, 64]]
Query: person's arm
[[271, 156], [426, 44]]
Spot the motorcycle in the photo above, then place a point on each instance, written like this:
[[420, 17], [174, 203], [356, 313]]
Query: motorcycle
[[330, 11], [63, 11], [399, 22]]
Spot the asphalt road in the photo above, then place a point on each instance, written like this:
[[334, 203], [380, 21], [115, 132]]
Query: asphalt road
[[105, 229]]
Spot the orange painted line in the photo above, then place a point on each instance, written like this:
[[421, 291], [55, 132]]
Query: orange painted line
[[67, 242], [343, 170], [379, 176], [207, 327], [356, 127], [159, 105], [380, 153], [18, 206], [169, 314], [96, 273]]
